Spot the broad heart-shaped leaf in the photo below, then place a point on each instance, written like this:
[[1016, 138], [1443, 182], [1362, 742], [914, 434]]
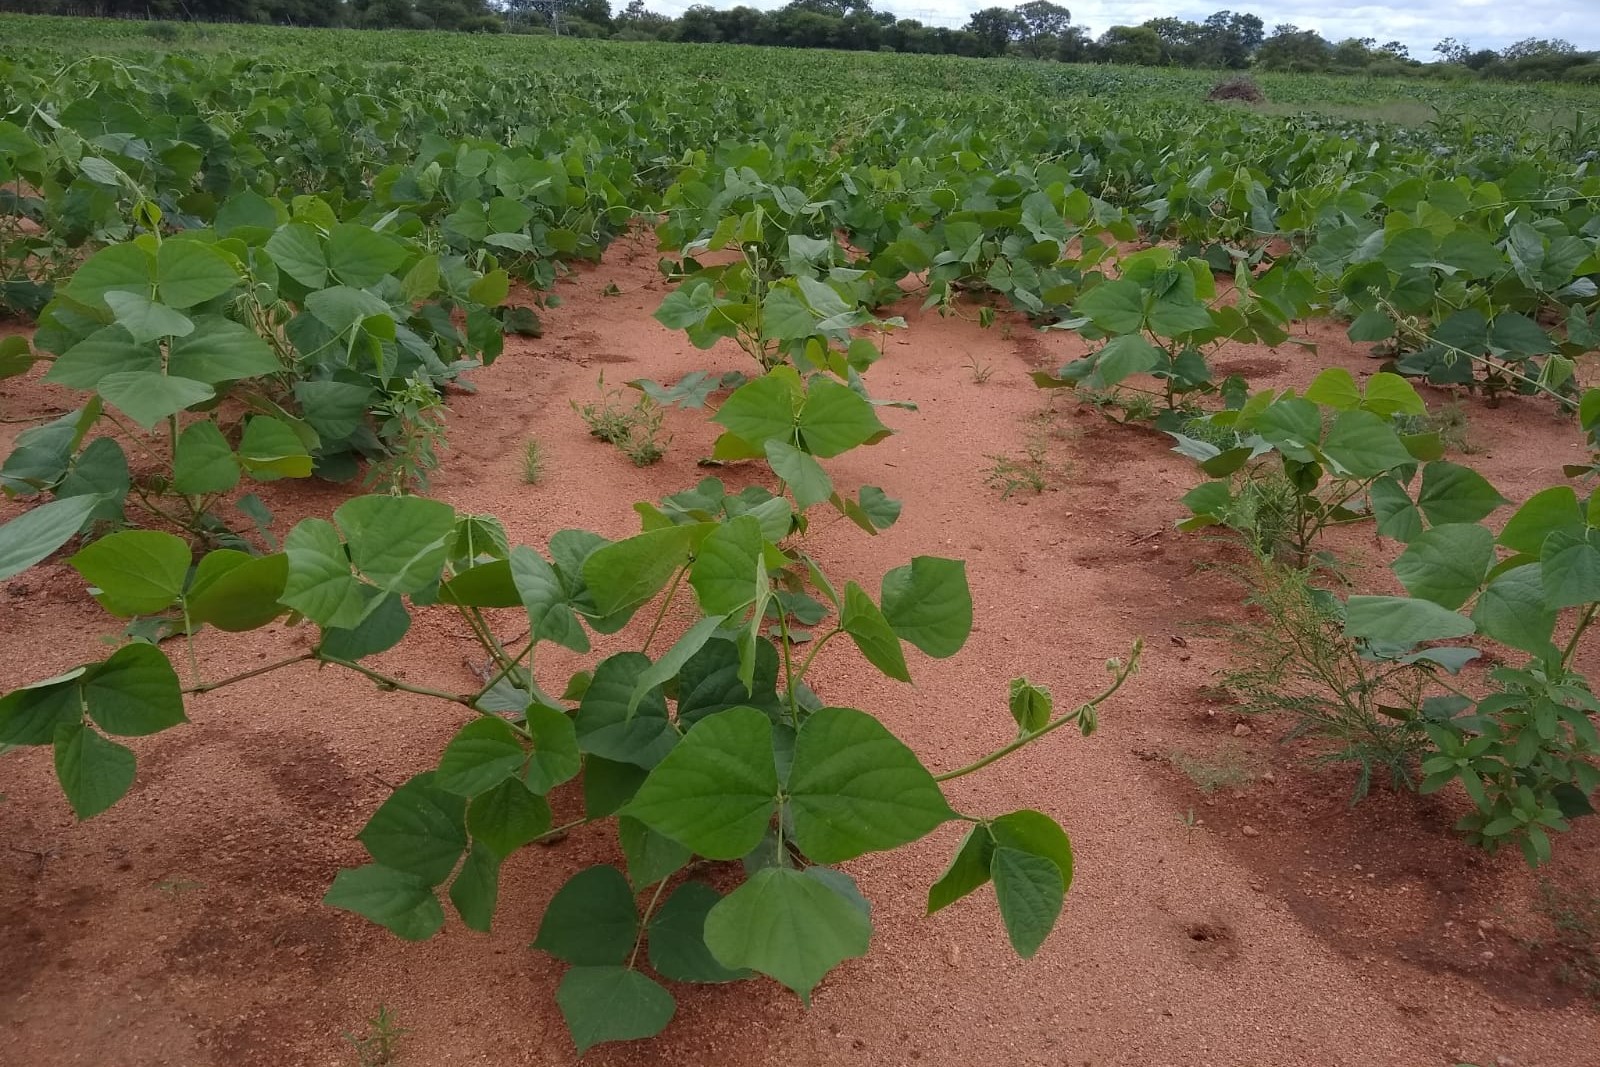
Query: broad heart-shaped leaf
[[320, 585], [612, 724], [1512, 610], [270, 449], [147, 397], [836, 418], [396, 900], [603, 1004], [716, 791], [482, 754], [94, 772], [420, 829], [384, 623], [1571, 569], [800, 471], [968, 870], [1389, 395], [190, 273], [221, 351], [137, 572], [507, 817], [399, 542], [204, 463], [927, 603], [360, 257], [1543, 514], [651, 856], [788, 926], [672, 660], [1030, 706], [125, 268], [1114, 306], [762, 409], [1404, 621], [608, 785], [1121, 357], [855, 788], [724, 570], [592, 920], [487, 585], [710, 681], [1397, 516], [1518, 336], [1336, 387], [133, 693], [872, 633], [626, 574], [107, 351], [1452, 493], [33, 535], [297, 249], [556, 758], [1362, 445], [30, 715], [1030, 890], [146, 321], [477, 887], [235, 591], [678, 937], [1036, 833], [1447, 563], [550, 614]]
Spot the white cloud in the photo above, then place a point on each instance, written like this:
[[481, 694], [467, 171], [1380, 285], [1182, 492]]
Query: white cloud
[[1420, 24]]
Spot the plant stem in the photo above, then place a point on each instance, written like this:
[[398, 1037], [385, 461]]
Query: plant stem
[[1123, 674], [805, 664], [1583, 624], [209, 686], [661, 612], [505, 670], [384, 681], [644, 921]]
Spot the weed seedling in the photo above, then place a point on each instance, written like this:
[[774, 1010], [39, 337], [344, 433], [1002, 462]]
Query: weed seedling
[[1034, 472], [981, 372], [1226, 769], [381, 1043], [532, 462], [636, 429]]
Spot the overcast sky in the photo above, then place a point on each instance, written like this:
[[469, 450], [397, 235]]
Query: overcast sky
[[1419, 23]]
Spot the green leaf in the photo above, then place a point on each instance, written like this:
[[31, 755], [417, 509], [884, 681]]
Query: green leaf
[[968, 870], [591, 921], [608, 785], [677, 937], [104, 352], [1402, 621], [787, 926], [204, 462], [235, 591], [1389, 395], [1397, 516], [134, 693], [550, 615], [477, 888], [400, 902], [399, 542], [419, 829], [320, 585], [1453, 494], [1031, 706], [147, 397], [724, 570], [145, 321], [190, 273], [872, 633], [614, 723], [490, 290], [1363, 445], [1336, 388], [125, 268], [29, 715], [1121, 357], [507, 817], [804, 476], [270, 449], [382, 625], [35, 534], [855, 788], [651, 856], [1030, 890], [1517, 335], [716, 791], [1373, 324], [927, 603], [835, 419], [556, 758], [624, 575], [1036, 833], [1547, 511], [486, 585], [16, 357], [1512, 609], [482, 754], [360, 257], [762, 409], [94, 772], [603, 1004], [221, 351], [136, 572], [297, 249], [1571, 570], [672, 660], [1114, 306], [1447, 563]]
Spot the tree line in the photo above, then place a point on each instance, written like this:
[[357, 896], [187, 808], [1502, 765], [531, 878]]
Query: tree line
[[1038, 29]]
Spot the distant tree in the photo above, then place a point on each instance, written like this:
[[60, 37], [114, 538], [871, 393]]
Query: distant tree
[[1529, 47], [1291, 48], [698, 24], [1044, 23], [1131, 44], [1451, 50], [1394, 50], [1075, 45], [996, 28]]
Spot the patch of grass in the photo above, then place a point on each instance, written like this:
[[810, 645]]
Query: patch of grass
[[1034, 471], [1122, 405], [381, 1043], [1227, 768], [1575, 914], [981, 372], [532, 462], [1448, 420], [635, 429]]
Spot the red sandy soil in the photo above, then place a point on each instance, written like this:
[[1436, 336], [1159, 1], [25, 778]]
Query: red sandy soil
[[184, 926]]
